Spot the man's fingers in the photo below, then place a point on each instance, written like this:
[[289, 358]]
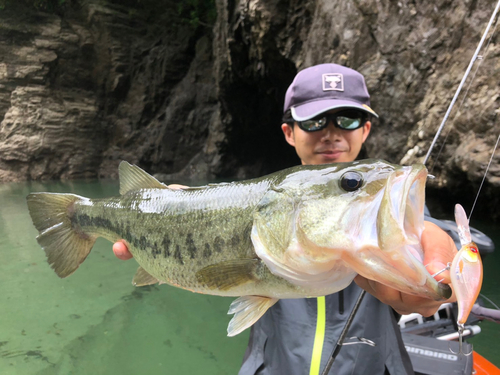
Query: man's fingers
[[439, 250], [401, 302], [121, 250]]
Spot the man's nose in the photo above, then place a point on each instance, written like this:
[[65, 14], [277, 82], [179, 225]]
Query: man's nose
[[331, 132]]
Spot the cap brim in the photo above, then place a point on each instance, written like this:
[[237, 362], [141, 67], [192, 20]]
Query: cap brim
[[310, 110]]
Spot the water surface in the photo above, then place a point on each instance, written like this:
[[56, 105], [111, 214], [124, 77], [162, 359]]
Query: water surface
[[96, 322]]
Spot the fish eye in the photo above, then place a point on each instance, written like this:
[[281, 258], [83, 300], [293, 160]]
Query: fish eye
[[351, 181]]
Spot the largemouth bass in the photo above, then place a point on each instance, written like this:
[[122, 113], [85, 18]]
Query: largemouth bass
[[302, 232]]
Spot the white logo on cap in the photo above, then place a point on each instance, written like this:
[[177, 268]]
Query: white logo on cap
[[333, 81]]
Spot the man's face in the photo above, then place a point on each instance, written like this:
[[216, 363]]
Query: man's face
[[329, 145]]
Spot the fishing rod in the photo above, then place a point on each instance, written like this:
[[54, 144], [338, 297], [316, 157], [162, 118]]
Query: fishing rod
[[340, 341], [459, 89], [467, 279], [475, 57]]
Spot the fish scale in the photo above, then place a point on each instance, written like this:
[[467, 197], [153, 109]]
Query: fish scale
[[210, 226], [300, 232]]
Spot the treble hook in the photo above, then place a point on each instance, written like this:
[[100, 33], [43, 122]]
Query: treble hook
[[447, 268], [460, 342]]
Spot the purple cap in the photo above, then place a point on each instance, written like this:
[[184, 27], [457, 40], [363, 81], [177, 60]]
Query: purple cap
[[321, 88]]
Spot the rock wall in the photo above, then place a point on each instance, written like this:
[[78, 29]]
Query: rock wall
[[82, 91], [104, 82]]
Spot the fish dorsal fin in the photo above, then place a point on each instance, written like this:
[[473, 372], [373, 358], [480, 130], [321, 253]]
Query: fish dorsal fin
[[142, 278], [133, 178], [247, 310]]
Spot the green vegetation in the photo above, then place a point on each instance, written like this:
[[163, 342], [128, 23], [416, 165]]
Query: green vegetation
[[44, 5]]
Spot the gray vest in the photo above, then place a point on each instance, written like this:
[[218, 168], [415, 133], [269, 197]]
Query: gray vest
[[281, 342]]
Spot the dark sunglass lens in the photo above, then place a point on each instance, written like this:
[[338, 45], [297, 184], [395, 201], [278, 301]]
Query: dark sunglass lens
[[350, 119], [313, 125], [348, 123]]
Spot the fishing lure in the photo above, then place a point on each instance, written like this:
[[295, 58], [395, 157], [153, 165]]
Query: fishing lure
[[466, 273]]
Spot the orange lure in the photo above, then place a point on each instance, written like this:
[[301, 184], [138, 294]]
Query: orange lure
[[466, 271]]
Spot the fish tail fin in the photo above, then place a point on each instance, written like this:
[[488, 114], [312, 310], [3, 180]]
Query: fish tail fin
[[66, 247]]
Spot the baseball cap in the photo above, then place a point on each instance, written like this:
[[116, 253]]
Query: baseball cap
[[323, 87]]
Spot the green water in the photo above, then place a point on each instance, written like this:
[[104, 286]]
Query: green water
[[95, 322]]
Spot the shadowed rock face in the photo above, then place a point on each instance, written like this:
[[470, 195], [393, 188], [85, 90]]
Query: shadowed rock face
[[81, 91]]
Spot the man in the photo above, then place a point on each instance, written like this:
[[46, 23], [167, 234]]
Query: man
[[327, 112]]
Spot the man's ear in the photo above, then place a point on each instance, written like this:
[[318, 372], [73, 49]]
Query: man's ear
[[366, 130], [288, 132]]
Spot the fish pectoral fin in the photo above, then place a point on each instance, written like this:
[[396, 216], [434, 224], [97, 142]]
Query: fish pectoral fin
[[228, 274], [247, 310], [143, 278], [133, 178], [274, 223]]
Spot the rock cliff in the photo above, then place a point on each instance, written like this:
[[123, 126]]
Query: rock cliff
[[102, 82]]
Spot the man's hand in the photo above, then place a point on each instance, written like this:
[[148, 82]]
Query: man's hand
[[439, 249], [121, 250], [120, 247]]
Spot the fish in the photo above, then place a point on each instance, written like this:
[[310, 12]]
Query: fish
[[306, 231], [466, 272]]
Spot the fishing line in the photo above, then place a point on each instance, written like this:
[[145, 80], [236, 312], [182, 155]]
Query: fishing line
[[489, 300], [481, 58], [484, 177], [473, 60], [453, 121], [462, 82]]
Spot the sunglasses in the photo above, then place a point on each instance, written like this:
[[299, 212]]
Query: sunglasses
[[349, 119]]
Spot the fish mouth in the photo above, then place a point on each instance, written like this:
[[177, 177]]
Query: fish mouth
[[401, 215], [413, 211], [400, 226]]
